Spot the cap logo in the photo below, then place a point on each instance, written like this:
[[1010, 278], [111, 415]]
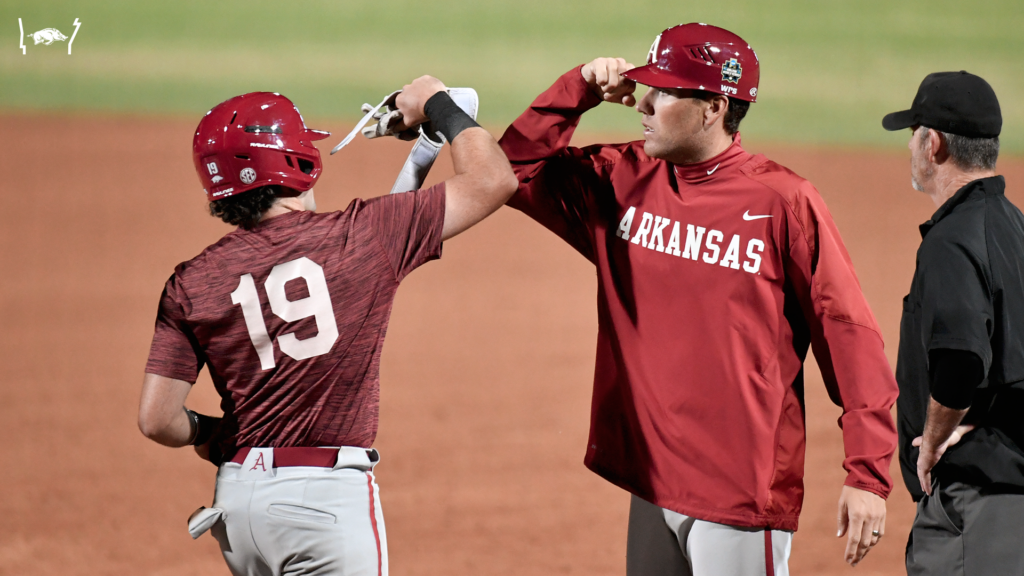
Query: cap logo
[[652, 56], [247, 175], [732, 71]]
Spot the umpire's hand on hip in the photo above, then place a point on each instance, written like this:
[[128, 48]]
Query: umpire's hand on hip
[[604, 76], [929, 455], [862, 519]]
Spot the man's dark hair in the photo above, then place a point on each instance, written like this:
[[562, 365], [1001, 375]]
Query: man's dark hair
[[246, 209], [733, 116]]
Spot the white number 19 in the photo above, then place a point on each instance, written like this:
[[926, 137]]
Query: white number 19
[[317, 304]]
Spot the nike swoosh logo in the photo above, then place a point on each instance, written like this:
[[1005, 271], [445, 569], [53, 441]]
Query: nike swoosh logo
[[748, 217], [712, 171]]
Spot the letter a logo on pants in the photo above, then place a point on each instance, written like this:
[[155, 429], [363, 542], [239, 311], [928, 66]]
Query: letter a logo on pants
[[259, 463]]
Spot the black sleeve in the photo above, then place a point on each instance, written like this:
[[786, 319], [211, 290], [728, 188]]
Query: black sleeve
[[957, 311], [954, 375]]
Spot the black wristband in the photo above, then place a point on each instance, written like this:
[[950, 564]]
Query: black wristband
[[207, 426], [446, 116], [203, 427], [193, 426]]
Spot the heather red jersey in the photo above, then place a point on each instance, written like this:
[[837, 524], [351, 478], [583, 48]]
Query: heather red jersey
[[713, 280], [290, 318]]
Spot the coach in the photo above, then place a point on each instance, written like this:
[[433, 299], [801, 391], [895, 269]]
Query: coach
[[961, 356]]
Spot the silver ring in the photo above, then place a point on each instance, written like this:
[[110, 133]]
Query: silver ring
[[876, 533]]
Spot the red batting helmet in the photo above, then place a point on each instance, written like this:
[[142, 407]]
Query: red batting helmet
[[254, 140], [701, 57]]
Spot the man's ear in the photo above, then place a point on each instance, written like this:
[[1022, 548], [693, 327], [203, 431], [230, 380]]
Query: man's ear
[[939, 148], [718, 105]]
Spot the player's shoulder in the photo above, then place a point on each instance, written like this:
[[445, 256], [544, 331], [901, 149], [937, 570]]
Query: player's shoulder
[[241, 245], [774, 176], [804, 205]]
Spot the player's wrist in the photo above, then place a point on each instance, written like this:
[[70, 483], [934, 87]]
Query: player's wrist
[[587, 74], [201, 427], [446, 116], [193, 426]]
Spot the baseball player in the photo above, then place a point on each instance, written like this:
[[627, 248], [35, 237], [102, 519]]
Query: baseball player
[[717, 269], [288, 312]]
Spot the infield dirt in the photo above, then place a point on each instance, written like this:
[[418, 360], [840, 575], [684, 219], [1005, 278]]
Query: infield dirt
[[486, 370]]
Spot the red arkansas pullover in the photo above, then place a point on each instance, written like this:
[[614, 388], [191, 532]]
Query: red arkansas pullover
[[713, 279]]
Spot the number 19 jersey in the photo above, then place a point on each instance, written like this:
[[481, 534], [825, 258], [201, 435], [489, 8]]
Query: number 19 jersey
[[290, 319]]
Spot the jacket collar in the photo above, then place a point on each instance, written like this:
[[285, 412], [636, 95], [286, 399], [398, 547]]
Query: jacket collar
[[992, 186], [712, 168]]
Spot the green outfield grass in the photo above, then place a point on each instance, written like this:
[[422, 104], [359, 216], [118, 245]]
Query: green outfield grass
[[830, 69]]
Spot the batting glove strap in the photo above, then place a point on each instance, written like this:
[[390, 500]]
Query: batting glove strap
[[446, 117]]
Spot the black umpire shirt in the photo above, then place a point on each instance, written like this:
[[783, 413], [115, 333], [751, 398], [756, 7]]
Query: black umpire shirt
[[967, 298]]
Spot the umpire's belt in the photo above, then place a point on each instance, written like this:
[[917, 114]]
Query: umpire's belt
[[344, 457]]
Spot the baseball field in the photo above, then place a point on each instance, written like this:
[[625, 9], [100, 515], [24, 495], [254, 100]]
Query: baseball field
[[488, 363]]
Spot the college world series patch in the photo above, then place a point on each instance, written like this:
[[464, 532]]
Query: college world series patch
[[732, 71]]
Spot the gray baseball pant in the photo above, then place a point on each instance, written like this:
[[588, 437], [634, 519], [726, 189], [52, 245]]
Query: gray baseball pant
[[301, 520], [661, 542], [961, 530]]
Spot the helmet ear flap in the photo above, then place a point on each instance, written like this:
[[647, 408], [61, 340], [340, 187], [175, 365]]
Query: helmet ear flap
[[305, 166]]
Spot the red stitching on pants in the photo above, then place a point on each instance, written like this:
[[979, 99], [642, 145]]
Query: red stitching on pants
[[769, 562], [373, 522]]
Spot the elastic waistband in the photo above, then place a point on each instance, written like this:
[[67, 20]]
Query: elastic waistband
[[321, 457]]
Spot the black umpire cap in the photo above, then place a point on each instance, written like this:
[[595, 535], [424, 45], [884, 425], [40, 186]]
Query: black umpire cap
[[953, 102]]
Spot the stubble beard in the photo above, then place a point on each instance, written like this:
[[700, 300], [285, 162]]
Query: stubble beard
[[680, 153], [918, 175]]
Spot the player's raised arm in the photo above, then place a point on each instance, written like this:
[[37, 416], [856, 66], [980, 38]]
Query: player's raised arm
[[483, 179], [605, 79]]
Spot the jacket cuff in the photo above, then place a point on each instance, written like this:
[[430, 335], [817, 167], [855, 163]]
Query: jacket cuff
[[877, 489], [575, 84]]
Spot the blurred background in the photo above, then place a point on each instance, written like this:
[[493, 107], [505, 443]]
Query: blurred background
[[830, 69], [488, 363]]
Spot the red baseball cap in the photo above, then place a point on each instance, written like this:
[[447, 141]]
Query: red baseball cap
[[701, 57]]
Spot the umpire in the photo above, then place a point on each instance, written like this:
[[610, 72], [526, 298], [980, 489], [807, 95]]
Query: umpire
[[961, 356]]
